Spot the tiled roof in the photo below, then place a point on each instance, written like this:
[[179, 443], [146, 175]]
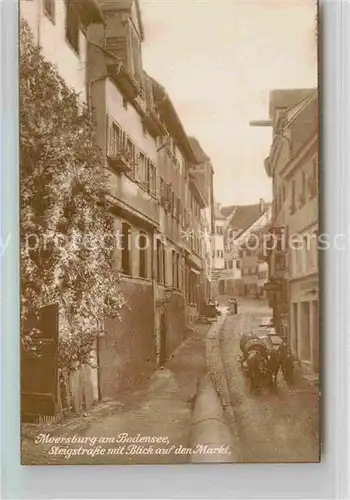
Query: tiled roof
[[244, 216], [226, 211], [286, 98], [200, 154]]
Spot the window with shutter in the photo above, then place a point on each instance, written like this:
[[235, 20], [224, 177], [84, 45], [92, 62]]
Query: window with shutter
[[72, 25], [148, 175], [153, 179], [116, 138], [168, 198], [109, 136], [142, 168], [162, 191], [130, 58]]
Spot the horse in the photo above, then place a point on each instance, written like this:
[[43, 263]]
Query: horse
[[273, 363], [254, 364], [245, 337], [286, 361]]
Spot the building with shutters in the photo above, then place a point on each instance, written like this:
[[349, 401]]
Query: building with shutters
[[179, 242], [157, 201], [160, 198], [293, 167], [128, 137]]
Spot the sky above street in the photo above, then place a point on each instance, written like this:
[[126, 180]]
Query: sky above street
[[218, 60]]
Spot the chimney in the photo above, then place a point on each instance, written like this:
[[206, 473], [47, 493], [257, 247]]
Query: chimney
[[262, 206]]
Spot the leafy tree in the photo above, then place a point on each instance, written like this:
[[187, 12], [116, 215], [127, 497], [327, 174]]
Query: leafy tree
[[66, 224]]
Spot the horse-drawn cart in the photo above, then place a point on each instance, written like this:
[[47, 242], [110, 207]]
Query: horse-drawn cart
[[261, 357], [249, 341]]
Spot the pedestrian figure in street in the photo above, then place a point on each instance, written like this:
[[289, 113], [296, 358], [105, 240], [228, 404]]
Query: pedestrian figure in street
[[235, 306], [287, 362], [231, 305], [273, 363]]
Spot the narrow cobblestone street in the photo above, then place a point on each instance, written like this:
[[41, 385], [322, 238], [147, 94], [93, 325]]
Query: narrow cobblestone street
[[274, 425], [162, 407]]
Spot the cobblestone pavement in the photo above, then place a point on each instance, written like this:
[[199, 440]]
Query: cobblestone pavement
[[163, 407], [272, 425]]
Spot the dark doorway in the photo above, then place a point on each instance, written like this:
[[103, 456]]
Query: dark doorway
[[163, 331], [39, 376]]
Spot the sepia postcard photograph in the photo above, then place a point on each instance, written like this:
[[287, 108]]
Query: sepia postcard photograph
[[169, 232]]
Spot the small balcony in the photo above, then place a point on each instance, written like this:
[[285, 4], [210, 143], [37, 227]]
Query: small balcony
[[121, 161], [153, 122], [125, 79]]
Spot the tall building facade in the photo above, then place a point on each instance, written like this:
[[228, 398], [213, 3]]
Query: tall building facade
[[160, 200], [59, 28], [204, 174], [156, 197], [218, 248], [293, 262]]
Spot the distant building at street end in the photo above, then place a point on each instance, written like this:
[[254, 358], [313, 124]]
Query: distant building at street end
[[230, 222], [220, 222], [245, 270]]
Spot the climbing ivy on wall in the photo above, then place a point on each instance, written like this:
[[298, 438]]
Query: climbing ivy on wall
[[66, 224]]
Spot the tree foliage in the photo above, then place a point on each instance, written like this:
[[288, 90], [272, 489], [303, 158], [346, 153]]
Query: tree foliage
[[66, 223]]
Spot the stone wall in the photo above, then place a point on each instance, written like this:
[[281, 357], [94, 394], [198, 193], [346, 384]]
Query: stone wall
[[127, 352], [176, 321]]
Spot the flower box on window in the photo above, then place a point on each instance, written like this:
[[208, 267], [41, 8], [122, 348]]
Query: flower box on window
[[122, 160]]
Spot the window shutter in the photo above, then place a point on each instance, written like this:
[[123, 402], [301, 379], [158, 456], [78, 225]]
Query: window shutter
[[179, 211], [109, 141], [122, 140], [173, 204], [130, 57], [138, 169], [162, 189]]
